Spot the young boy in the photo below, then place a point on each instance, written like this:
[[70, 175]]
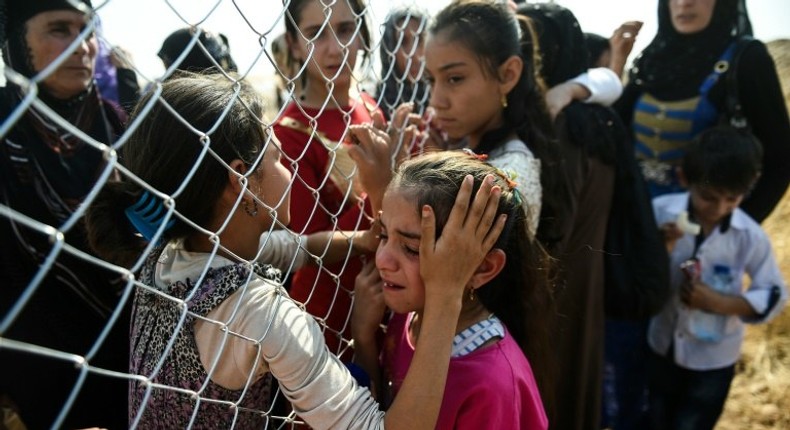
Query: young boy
[[691, 369]]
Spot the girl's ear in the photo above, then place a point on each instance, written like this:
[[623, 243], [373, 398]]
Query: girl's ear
[[492, 264], [510, 73], [237, 166]]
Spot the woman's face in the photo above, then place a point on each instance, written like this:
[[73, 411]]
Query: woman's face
[[48, 35], [691, 16], [270, 184], [335, 45], [410, 53], [398, 255], [466, 98]]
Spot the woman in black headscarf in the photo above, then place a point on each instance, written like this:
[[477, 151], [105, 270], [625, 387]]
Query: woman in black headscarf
[[678, 88], [196, 60], [589, 137], [46, 170]]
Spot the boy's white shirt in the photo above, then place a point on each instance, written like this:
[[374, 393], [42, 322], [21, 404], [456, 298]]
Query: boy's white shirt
[[745, 249]]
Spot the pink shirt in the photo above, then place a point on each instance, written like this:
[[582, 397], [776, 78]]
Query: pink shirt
[[490, 388]]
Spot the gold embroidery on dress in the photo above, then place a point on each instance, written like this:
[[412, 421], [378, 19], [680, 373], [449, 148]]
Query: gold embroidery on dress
[[340, 162]]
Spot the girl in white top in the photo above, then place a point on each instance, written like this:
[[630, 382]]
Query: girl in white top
[[208, 323], [483, 88]]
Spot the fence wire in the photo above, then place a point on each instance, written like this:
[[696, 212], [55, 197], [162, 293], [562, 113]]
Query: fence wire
[[381, 81]]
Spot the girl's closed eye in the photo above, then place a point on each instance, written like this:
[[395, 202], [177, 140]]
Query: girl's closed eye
[[411, 250]]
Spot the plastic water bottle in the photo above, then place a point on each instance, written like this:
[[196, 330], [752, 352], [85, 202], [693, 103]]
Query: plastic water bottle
[[706, 326]]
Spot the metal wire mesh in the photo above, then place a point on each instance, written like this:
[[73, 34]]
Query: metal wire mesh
[[282, 82]]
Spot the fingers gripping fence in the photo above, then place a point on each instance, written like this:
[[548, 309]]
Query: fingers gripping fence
[[65, 311]]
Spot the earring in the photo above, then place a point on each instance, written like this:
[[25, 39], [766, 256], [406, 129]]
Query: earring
[[503, 100], [251, 212], [471, 294]]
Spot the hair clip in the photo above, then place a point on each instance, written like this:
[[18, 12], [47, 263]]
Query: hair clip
[[147, 214], [481, 157]]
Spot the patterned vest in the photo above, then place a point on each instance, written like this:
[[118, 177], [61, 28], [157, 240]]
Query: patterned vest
[[164, 350], [663, 129]]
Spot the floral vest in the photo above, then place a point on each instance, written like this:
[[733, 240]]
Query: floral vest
[[163, 349]]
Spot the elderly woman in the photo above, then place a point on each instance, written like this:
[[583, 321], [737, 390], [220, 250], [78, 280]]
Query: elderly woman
[[45, 173]]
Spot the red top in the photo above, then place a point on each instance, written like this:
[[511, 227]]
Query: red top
[[321, 201]]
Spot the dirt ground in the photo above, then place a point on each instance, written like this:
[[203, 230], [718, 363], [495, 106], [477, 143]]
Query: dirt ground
[[760, 394]]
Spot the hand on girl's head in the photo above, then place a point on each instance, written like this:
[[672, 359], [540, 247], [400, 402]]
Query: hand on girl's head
[[471, 230]]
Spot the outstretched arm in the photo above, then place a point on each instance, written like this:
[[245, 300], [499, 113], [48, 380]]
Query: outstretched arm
[[366, 316]]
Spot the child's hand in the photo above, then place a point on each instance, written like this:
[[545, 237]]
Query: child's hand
[[447, 264], [622, 42], [368, 309], [402, 129], [367, 241], [373, 158], [560, 96], [698, 295], [671, 234]]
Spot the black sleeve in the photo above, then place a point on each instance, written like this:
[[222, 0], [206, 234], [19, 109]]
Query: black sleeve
[[624, 106], [128, 89], [763, 104]]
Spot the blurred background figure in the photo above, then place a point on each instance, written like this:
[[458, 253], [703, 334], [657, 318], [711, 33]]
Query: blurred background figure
[[702, 58], [115, 75], [613, 52], [210, 50], [402, 61]]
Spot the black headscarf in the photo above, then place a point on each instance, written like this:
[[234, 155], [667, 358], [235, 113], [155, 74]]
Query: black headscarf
[[395, 87], [564, 56], [197, 60], [560, 38], [13, 16], [674, 65], [51, 146]]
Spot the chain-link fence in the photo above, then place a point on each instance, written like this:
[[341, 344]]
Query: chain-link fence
[[65, 316]]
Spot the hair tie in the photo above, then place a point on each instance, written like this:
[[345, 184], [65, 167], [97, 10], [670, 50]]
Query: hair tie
[[147, 214]]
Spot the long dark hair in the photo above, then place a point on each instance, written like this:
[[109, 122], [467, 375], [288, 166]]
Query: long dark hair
[[564, 55], [520, 295], [162, 151], [494, 34]]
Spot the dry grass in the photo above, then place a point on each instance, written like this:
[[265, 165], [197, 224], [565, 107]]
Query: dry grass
[[760, 394]]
